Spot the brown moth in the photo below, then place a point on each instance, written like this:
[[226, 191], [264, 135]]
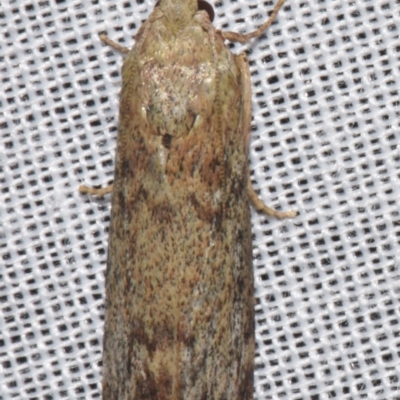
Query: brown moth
[[179, 321]]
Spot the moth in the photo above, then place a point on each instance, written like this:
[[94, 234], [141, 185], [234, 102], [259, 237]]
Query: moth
[[179, 322]]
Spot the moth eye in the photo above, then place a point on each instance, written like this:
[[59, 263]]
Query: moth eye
[[207, 7], [202, 5], [166, 141]]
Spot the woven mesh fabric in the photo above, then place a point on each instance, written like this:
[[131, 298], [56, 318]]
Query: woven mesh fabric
[[326, 109]]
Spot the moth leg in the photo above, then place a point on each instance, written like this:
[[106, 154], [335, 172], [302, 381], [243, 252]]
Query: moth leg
[[108, 189], [238, 37], [243, 65], [96, 192], [111, 43], [260, 206], [241, 62]]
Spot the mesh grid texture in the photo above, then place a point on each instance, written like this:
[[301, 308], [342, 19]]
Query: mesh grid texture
[[326, 109]]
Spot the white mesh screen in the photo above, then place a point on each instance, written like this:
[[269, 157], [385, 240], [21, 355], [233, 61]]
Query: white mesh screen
[[326, 109]]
